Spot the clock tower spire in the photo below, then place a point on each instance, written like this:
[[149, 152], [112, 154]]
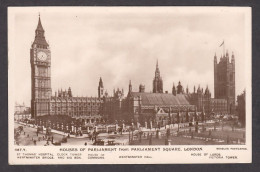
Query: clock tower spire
[[39, 40], [40, 56]]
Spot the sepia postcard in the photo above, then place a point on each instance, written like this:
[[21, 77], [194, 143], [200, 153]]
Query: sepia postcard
[[129, 85]]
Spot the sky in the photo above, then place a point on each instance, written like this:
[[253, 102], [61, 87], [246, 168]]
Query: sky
[[122, 44]]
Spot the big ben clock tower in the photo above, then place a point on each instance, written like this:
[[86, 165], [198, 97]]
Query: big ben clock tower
[[40, 56]]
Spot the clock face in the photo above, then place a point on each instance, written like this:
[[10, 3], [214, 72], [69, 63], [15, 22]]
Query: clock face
[[42, 55]]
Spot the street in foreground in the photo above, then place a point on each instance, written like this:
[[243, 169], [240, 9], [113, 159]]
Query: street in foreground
[[185, 136]]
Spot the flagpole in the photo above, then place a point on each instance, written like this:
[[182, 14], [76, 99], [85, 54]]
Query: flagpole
[[223, 44]]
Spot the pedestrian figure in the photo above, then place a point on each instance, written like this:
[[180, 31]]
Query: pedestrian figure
[[168, 133], [157, 134], [166, 141], [150, 140], [27, 135], [140, 137], [34, 142], [86, 144]]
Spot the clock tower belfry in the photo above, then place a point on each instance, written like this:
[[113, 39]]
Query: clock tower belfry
[[40, 57]]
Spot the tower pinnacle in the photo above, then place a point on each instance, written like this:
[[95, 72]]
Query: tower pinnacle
[[40, 41], [130, 87], [101, 83], [157, 81], [39, 26], [100, 88]]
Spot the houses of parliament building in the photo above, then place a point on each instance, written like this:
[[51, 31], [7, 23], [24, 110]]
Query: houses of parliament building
[[158, 106]]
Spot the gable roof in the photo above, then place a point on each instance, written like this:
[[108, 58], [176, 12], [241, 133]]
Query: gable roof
[[161, 98]]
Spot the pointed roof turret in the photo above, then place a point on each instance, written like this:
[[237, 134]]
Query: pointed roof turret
[[215, 58], [39, 40], [233, 58], [157, 70], [227, 56], [198, 90], [187, 90], [130, 87], [173, 89], [207, 90], [39, 27], [100, 83]]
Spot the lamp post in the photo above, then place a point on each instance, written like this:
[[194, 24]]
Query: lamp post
[[48, 124], [67, 127], [95, 135], [62, 127], [178, 120], [129, 137], [132, 133]]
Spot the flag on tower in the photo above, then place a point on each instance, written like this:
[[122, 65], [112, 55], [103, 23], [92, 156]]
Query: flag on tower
[[221, 44]]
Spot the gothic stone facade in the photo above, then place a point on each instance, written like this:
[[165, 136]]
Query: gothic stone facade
[[40, 56], [88, 109], [138, 106], [203, 101], [157, 81], [63, 103], [157, 107], [224, 80], [241, 108]]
